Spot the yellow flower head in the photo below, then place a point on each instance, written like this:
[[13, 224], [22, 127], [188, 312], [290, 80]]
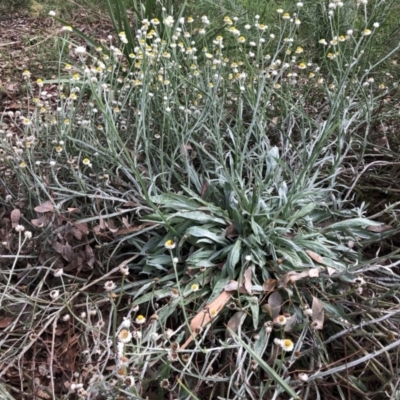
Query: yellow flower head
[[140, 319], [170, 244]]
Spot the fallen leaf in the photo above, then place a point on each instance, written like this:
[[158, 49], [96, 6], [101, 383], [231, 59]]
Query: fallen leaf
[[294, 276], [90, 260], [379, 228], [4, 322], [40, 222], [234, 323], [15, 217], [247, 280], [67, 252], [269, 285], [206, 315], [313, 273], [317, 314], [316, 257], [275, 302], [291, 322], [331, 271], [47, 206], [231, 286]]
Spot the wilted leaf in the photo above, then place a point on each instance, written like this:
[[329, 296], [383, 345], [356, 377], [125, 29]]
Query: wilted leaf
[[231, 286], [294, 276], [379, 228], [235, 322], [291, 323], [15, 217], [90, 260], [331, 271], [313, 273], [67, 252], [317, 313], [316, 257], [269, 285], [47, 206], [5, 321], [275, 302], [209, 312], [231, 231], [247, 280], [73, 210]]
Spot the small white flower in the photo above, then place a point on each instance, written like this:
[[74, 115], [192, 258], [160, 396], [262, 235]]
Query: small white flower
[[28, 234], [19, 228], [169, 333], [58, 272], [54, 294], [308, 312], [137, 335], [109, 286], [66, 317], [170, 244], [195, 287], [169, 21], [124, 336], [140, 319], [52, 13], [247, 26], [303, 377], [280, 320], [154, 336], [124, 270], [376, 24], [80, 50], [278, 342], [287, 344], [76, 386], [248, 258], [126, 323]]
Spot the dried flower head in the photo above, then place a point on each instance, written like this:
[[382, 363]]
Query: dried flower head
[[124, 336]]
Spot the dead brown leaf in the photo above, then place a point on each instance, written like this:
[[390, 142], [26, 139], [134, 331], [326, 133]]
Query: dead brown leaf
[[316, 257], [47, 206], [232, 286], [269, 285], [15, 217], [40, 222], [313, 273], [247, 280], [5, 321], [379, 228], [331, 271], [234, 323], [317, 313], [67, 252], [275, 302], [206, 315], [291, 322], [294, 276], [127, 231]]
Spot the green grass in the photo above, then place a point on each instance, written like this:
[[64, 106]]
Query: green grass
[[195, 224]]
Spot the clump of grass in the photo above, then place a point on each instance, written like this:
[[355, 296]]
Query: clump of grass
[[195, 223]]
